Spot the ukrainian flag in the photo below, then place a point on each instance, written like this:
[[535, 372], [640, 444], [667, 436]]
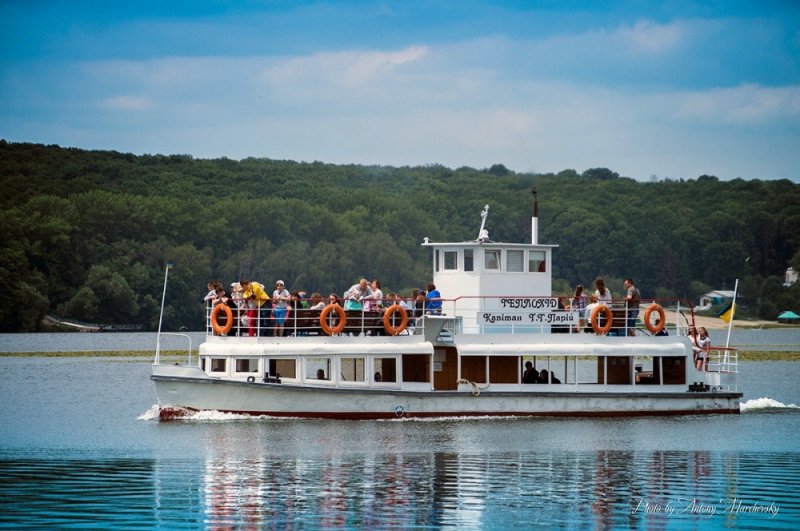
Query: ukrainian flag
[[727, 312]]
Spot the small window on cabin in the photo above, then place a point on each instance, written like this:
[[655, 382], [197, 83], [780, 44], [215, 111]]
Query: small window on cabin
[[491, 259], [537, 262], [386, 368], [318, 368], [436, 260], [450, 260], [246, 365], [468, 260], [515, 261], [219, 365], [283, 368], [353, 369]]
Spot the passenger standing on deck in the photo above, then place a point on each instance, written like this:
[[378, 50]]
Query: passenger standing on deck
[[704, 344], [592, 304], [603, 293], [579, 304], [433, 300], [257, 299], [375, 303], [632, 298], [280, 298], [316, 302], [357, 293]]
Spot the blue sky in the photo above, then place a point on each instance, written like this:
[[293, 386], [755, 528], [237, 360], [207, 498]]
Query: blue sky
[[671, 89]]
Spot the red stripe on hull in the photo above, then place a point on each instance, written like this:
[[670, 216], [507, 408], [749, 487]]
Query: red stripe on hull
[[173, 413]]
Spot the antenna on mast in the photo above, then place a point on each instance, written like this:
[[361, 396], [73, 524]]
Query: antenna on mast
[[483, 234]]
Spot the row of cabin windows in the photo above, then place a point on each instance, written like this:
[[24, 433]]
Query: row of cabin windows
[[500, 369], [493, 260], [350, 369]]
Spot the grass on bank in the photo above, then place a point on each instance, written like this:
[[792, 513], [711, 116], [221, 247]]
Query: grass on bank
[[179, 355]]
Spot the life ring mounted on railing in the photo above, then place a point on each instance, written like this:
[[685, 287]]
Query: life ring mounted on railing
[[221, 330], [654, 329], [387, 324], [323, 319], [594, 320]]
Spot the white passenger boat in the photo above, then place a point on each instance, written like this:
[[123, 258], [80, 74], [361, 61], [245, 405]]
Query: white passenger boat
[[469, 360]]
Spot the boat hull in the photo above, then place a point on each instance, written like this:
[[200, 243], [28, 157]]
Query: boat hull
[[180, 393]]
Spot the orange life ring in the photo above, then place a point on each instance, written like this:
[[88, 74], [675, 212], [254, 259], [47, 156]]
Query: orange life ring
[[403, 320], [215, 313], [661, 317], [323, 317], [609, 319]]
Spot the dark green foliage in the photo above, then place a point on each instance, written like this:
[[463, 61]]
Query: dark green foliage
[[87, 234]]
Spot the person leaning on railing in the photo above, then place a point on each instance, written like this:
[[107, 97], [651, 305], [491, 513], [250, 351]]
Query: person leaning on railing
[[256, 297]]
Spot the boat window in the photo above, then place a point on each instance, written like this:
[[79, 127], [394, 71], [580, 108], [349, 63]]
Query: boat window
[[353, 370], [219, 365], [436, 260], [515, 261], [283, 368], [468, 260], [451, 259], [318, 368], [491, 259], [416, 368], [503, 369], [387, 368], [537, 262], [674, 370], [202, 364], [246, 365], [473, 368]]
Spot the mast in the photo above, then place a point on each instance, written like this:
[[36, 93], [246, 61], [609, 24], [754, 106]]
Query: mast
[[161, 317], [535, 219]]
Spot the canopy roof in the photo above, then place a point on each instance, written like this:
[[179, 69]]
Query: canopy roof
[[788, 315]]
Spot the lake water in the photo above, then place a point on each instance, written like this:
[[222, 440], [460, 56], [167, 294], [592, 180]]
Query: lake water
[[80, 446], [781, 339]]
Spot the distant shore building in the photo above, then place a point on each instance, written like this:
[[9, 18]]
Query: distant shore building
[[790, 277]]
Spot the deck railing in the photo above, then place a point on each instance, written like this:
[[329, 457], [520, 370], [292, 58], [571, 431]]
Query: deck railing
[[482, 315]]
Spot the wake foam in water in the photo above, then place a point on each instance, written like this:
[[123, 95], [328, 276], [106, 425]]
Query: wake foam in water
[[155, 413], [760, 404], [150, 414]]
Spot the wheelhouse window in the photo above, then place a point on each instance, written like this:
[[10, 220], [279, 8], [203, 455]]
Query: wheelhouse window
[[450, 260], [219, 365], [491, 259], [436, 260], [515, 261], [283, 368], [353, 369], [537, 262], [247, 365], [386, 368], [318, 368], [469, 259]]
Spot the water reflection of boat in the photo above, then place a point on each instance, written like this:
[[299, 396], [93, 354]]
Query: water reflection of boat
[[465, 360]]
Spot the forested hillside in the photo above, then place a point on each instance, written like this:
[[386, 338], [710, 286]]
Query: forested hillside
[[87, 234]]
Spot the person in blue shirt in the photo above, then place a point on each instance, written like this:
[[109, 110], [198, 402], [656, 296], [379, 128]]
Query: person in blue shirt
[[433, 300]]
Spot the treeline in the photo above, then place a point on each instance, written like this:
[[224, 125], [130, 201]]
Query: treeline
[[86, 234]]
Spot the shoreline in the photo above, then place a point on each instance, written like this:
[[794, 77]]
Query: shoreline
[[715, 323], [177, 355]]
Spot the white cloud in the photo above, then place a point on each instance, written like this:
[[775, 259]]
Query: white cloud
[[747, 104], [649, 37], [348, 69], [125, 103]]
